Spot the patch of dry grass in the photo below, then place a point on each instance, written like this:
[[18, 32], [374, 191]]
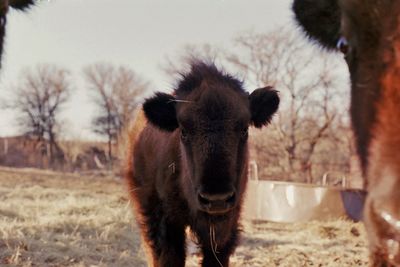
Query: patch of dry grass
[[48, 219], [52, 219]]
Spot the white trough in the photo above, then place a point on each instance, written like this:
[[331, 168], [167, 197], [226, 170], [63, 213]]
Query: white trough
[[296, 202]]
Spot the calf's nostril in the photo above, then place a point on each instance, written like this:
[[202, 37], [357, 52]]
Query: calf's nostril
[[230, 198], [203, 199]]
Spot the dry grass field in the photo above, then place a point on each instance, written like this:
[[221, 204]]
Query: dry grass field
[[53, 219]]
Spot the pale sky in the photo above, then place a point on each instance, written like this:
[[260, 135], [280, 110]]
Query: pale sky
[[135, 33]]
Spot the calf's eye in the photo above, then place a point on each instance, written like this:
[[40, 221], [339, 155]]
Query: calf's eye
[[245, 133], [184, 135], [343, 45]]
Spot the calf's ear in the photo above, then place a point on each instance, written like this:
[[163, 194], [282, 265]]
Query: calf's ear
[[264, 102], [320, 20], [160, 111], [21, 4]]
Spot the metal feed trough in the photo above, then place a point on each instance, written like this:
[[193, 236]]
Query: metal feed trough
[[297, 202]]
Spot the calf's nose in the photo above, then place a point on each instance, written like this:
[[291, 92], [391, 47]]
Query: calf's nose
[[217, 202]]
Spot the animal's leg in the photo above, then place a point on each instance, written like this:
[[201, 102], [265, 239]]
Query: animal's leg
[[171, 245], [378, 260], [218, 256], [165, 239]]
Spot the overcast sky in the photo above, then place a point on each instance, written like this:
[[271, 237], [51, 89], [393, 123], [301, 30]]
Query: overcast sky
[[136, 33]]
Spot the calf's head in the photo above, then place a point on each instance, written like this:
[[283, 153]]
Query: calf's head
[[210, 113], [368, 33]]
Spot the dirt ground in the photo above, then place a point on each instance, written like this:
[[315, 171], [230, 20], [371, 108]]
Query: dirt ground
[[54, 219]]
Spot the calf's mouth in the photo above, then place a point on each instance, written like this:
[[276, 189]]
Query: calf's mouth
[[216, 204]]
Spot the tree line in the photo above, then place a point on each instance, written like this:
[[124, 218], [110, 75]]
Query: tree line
[[309, 137], [43, 91]]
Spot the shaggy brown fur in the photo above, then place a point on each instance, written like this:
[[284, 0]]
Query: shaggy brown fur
[[371, 29], [188, 167]]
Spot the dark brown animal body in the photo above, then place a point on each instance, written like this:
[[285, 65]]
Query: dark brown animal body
[[4, 6], [368, 33], [189, 165]]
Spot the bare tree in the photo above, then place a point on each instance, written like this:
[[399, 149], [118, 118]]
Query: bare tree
[[308, 136], [310, 91], [116, 92], [38, 99]]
